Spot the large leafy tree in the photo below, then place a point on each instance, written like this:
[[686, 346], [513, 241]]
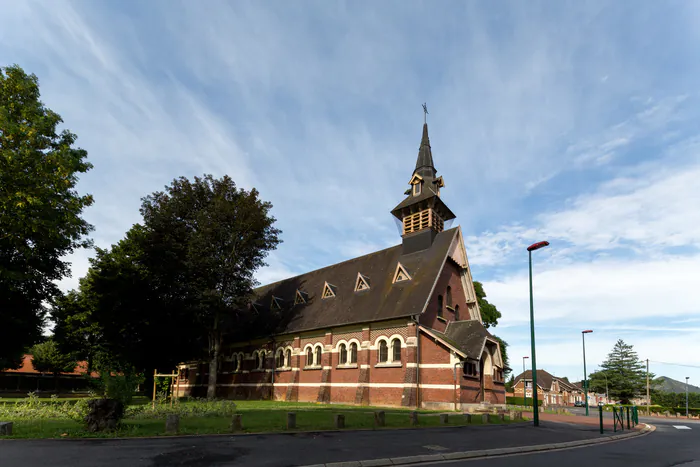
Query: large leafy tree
[[205, 240], [48, 358], [626, 374], [40, 210]]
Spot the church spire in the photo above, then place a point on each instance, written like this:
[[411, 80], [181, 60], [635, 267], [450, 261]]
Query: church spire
[[422, 213]]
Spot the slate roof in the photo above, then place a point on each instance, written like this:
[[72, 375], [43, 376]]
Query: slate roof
[[468, 336], [544, 379], [382, 301]]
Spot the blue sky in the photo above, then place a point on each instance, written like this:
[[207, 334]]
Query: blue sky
[[574, 122]]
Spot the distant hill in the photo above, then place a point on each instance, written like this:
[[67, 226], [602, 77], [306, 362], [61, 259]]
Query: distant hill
[[666, 384]]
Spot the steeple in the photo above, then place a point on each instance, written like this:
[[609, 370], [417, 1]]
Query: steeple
[[424, 164], [422, 213]]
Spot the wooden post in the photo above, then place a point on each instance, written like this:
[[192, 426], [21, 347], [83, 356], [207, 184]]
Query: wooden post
[[413, 418], [5, 428], [340, 421], [468, 417], [236, 424], [172, 423], [291, 420], [485, 418], [155, 372], [443, 418], [379, 419]]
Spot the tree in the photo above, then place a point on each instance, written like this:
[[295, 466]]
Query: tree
[[216, 236], [489, 312], [625, 372], [40, 210], [504, 355], [47, 358]]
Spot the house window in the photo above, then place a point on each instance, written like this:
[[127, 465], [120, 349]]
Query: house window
[[528, 384], [383, 352], [470, 369], [448, 296], [353, 353], [317, 360], [343, 354], [261, 360], [279, 359], [439, 311], [288, 358], [456, 312], [396, 350], [498, 374], [309, 357], [239, 362]]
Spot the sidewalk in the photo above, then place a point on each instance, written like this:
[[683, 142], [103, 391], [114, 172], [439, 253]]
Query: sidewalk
[[592, 420], [301, 449]]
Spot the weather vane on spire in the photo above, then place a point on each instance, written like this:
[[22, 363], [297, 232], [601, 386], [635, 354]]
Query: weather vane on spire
[[425, 113]]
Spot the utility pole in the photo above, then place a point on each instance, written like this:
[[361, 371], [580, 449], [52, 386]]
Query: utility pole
[[686, 396], [648, 399]]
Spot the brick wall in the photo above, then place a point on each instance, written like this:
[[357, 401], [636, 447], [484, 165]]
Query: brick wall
[[450, 276]]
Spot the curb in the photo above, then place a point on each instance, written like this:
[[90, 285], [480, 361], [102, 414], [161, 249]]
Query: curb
[[412, 460]]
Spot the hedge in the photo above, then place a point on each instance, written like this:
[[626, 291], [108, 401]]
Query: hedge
[[519, 401]]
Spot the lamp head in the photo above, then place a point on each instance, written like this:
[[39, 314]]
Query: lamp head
[[537, 246]]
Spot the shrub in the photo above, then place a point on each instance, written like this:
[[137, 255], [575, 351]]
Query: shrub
[[520, 401], [192, 408]]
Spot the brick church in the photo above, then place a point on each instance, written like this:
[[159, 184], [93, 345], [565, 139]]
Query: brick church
[[397, 327]]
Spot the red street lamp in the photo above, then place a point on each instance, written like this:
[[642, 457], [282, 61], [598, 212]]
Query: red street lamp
[[535, 413]]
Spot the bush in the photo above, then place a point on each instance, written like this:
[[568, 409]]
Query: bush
[[192, 408], [118, 386], [519, 401], [32, 408]]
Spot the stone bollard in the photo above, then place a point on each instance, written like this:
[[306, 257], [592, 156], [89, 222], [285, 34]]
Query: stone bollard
[[512, 415], [485, 418], [5, 428], [236, 424], [172, 423], [443, 418], [339, 420], [291, 420], [678, 415], [501, 417], [541, 409], [379, 418], [413, 418], [468, 418]]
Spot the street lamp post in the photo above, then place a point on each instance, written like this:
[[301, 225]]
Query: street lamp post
[[686, 396], [585, 376], [535, 413], [524, 388]]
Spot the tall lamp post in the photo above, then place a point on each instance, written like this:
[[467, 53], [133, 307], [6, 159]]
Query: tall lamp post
[[585, 375], [686, 396], [524, 388], [535, 413]]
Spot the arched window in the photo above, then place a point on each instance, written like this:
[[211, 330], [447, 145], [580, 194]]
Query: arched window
[[456, 312], [396, 350], [439, 311], [343, 354], [383, 352], [239, 361], [353, 353], [288, 358], [261, 360], [309, 357], [279, 359], [448, 296], [317, 360]]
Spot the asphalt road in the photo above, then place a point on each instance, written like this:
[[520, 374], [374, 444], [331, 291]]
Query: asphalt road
[[280, 450], [666, 447]]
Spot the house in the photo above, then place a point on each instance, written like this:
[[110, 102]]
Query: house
[[551, 390], [397, 327], [26, 378]]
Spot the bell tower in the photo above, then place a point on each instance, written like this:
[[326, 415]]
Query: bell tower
[[422, 214]]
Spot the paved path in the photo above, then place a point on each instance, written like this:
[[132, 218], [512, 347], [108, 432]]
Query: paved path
[[283, 450]]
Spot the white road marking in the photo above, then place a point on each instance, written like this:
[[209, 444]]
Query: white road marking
[[681, 427]]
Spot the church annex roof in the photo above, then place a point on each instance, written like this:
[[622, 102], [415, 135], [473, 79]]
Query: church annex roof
[[468, 336], [385, 299]]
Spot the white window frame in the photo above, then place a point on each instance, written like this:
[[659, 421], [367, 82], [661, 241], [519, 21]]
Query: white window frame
[[348, 362], [390, 362]]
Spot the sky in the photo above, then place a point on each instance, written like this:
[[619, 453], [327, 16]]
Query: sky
[[574, 122]]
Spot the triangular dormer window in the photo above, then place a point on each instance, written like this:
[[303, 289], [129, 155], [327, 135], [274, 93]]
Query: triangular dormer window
[[256, 307], [401, 274], [417, 183], [328, 290], [276, 303], [300, 297], [362, 283]]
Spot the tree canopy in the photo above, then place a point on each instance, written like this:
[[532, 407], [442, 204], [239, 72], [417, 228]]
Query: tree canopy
[[40, 210], [625, 373], [490, 316], [47, 358]]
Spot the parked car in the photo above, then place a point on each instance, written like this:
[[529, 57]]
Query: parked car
[[579, 404]]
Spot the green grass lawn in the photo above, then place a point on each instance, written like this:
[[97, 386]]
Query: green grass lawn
[[256, 416]]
